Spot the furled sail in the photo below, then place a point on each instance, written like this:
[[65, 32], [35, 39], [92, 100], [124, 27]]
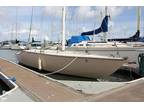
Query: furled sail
[[136, 36], [130, 39], [102, 28]]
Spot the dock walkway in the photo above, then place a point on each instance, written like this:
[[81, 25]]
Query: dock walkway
[[39, 88], [43, 89], [131, 92]]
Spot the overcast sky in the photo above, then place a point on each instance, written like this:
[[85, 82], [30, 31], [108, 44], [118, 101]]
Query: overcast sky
[[46, 23]]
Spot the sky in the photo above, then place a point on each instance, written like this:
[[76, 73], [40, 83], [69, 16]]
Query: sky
[[46, 21]]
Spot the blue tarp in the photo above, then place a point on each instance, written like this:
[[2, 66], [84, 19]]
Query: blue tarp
[[102, 28], [78, 39]]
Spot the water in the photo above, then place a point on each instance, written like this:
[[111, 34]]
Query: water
[[9, 55]]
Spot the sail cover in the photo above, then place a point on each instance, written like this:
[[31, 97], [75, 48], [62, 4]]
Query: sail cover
[[77, 39], [135, 37], [102, 28]]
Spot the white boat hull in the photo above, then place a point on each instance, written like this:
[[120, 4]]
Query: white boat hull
[[130, 52], [17, 47], [5, 47], [85, 66]]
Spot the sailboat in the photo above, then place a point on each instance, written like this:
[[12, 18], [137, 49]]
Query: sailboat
[[70, 62], [136, 36], [134, 40], [108, 48], [5, 45], [16, 44]]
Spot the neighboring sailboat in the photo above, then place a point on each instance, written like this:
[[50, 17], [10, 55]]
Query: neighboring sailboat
[[136, 37], [107, 48], [16, 44], [5, 45], [32, 43], [70, 62]]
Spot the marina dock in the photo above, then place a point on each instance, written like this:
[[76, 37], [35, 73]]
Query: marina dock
[[37, 87], [131, 92], [40, 88]]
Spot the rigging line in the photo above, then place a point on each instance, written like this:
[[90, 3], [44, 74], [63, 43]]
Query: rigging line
[[16, 21], [12, 34], [41, 25], [59, 70], [30, 25]]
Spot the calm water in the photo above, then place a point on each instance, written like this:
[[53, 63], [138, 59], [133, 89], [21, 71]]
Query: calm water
[[9, 55]]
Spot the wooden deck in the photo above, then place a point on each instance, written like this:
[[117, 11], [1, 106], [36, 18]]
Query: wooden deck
[[132, 92], [42, 89], [39, 88]]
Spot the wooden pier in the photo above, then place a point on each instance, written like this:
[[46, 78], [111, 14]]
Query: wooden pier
[[39, 88], [43, 89], [131, 92]]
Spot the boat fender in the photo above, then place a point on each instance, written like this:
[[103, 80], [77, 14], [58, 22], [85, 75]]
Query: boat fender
[[39, 63]]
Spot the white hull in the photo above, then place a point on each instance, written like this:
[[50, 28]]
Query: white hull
[[5, 47], [110, 50], [17, 47], [83, 65]]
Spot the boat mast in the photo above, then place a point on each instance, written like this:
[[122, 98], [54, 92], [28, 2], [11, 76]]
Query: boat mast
[[30, 28], [105, 33], [12, 32], [16, 23], [63, 28], [138, 18]]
